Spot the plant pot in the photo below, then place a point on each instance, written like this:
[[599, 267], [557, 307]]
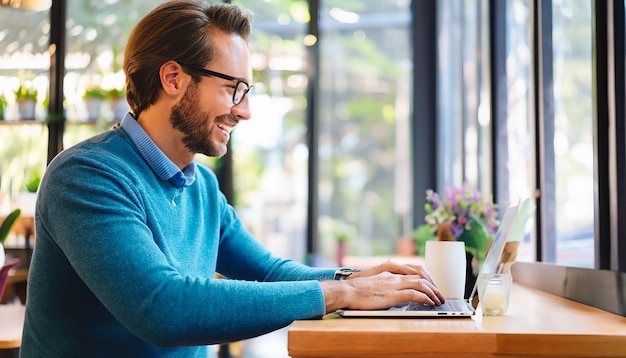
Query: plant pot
[[26, 109], [445, 262], [119, 106], [94, 106], [405, 246]]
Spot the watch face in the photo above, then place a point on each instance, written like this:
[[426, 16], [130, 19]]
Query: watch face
[[341, 274]]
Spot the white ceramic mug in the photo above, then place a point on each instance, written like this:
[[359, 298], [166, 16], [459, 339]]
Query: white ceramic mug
[[445, 262]]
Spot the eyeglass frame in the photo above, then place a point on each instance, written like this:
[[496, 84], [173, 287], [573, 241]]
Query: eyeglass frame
[[209, 73]]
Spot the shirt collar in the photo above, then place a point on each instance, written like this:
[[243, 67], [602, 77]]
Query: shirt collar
[[164, 168]]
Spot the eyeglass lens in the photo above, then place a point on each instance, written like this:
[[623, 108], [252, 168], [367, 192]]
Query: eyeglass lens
[[241, 90]]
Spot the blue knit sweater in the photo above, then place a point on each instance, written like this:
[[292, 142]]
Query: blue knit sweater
[[124, 263]]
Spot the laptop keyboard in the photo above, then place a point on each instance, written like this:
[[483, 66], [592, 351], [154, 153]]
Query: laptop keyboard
[[450, 305]]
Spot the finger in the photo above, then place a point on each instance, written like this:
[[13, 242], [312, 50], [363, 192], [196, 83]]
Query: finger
[[414, 269], [422, 272], [433, 293], [420, 297], [431, 290], [403, 269], [426, 288]]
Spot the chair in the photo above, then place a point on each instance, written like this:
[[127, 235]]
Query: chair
[[4, 273]]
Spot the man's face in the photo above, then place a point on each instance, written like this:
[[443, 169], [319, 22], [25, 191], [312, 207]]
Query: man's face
[[206, 114]]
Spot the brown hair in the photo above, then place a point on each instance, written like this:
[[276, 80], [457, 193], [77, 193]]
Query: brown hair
[[178, 30]]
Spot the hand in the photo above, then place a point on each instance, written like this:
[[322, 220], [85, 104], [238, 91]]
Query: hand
[[394, 267], [381, 287]]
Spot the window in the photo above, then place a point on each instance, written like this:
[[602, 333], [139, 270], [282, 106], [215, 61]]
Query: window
[[516, 109], [270, 154], [364, 117], [24, 62], [544, 132], [517, 145], [464, 121], [365, 82], [573, 134], [94, 82]]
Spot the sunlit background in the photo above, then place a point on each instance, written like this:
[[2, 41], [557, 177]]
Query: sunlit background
[[364, 88]]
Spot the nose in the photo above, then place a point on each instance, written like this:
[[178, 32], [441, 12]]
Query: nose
[[242, 109]]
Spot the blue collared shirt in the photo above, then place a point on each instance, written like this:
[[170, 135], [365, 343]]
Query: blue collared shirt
[[156, 159]]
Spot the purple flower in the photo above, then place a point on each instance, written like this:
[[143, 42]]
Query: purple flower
[[458, 206]]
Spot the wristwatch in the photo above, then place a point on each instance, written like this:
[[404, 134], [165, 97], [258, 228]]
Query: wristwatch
[[343, 273]]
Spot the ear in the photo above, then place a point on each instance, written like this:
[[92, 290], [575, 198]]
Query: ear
[[172, 78]]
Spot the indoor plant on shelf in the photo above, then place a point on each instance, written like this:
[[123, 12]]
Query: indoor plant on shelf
[[465, 215], [119, 106], [94, 97], [26, 98]]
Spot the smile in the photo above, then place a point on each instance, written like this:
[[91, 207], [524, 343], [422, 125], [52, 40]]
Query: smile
[[225, 128]]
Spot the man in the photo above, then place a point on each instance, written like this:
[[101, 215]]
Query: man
[[131, 232]]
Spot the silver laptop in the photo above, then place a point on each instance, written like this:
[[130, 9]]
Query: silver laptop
[[457, 307]]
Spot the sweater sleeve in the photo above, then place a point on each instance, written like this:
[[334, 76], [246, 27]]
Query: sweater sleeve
[[254, 262], [92, 209]]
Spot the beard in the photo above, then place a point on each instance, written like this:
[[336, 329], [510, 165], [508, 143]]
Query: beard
[[187, 117]]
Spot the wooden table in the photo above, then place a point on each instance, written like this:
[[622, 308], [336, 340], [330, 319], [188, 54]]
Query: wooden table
[[537, 324], [11, 323]]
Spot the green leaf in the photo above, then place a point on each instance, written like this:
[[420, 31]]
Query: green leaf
[[33, 185], [477, 239], [8, 223], [421, 235]]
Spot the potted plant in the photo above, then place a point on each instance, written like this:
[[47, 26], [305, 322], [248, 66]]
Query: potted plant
[[26, 98], [460, 214], [26, 199], [119, 106], [340, 234], [94, 97], [5, 229]]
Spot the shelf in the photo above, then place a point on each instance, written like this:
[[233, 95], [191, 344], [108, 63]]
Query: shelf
[[5, 122]]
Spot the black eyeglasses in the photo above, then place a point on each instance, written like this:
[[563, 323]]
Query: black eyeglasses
[[241, 87]]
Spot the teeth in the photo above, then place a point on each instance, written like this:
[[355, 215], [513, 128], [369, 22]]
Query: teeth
[[224, 128]]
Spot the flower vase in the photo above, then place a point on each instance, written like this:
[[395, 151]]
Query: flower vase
[[119, 107], [94, 107], [445, 263], [26, 109], [2, 255], [405, 246]]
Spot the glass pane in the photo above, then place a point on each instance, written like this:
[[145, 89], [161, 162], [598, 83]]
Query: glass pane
[[463, 77], [573, 132], [270, 154], [24, 63], [364, 109], [519, 136]]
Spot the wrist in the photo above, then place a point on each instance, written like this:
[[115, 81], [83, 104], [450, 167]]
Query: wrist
[[336, 294]]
